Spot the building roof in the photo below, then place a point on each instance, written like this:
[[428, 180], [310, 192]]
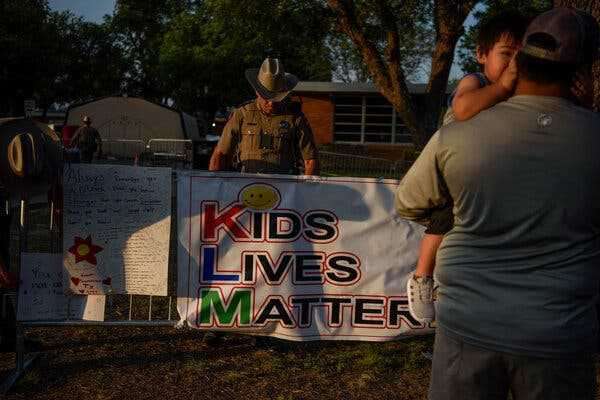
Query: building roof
[[352, 87]]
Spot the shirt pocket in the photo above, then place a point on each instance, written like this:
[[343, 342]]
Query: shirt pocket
[[249, 140]]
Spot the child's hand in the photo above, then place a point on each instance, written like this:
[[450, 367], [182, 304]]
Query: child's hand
[[508, 79], [583, 88]]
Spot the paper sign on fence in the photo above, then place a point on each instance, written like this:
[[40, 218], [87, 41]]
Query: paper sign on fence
[[295, 257], [42, 297], [117, 222]]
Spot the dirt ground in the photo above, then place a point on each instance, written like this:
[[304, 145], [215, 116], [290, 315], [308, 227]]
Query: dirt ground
[[165, 363]]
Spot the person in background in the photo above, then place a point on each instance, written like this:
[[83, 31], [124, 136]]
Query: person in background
[[87, 140], [270, 134]]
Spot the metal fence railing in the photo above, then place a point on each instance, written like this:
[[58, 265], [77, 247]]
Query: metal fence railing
[[122, 149], [339, 164], [175, 153], [170, 152], [34, 229]]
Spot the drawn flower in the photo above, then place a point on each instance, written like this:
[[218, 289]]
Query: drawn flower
[[85, 250]]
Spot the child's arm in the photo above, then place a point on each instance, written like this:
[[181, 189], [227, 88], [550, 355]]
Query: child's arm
[[427, 252], [470, 98], [442, 221]]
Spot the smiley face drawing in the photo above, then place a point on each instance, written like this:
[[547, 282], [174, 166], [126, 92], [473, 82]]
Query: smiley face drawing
[[259, 196]]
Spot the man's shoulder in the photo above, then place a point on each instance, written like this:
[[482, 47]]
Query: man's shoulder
[[249, 105], [244, 109], [490, 119]]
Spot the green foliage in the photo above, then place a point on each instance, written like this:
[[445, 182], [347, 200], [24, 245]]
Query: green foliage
[[413, 22], [486, 10], [138, 27], [206, 50], [26, 48], [53, 57], [192, 53], [89, 63]]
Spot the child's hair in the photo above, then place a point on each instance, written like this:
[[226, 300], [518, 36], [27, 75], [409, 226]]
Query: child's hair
[[510, 23]]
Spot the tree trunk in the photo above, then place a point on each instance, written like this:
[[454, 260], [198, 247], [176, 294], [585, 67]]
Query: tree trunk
[[593, 7], [385, 67], [449, 17]]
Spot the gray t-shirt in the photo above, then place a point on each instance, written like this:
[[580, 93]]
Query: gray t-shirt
[[519, 271]]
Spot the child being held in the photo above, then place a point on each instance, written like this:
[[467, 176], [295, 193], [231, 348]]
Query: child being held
[[498, 41]]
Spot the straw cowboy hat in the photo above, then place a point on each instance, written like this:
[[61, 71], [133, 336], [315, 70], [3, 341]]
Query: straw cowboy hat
[[271, 81], [30, 156]]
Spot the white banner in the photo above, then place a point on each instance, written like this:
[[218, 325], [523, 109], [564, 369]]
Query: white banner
[[117, 222], [297, 258]]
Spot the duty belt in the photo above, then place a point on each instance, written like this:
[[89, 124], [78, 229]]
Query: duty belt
[[265, 167]]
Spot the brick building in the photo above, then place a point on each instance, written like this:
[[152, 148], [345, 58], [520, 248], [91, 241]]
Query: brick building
[[355, 114]]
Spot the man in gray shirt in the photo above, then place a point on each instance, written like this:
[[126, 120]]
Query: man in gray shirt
[[518, 274]]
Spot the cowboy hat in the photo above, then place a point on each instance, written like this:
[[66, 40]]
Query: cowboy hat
[[271, 81], [30, 156]]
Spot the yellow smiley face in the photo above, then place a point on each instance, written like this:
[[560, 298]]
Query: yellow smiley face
[[259, 196]]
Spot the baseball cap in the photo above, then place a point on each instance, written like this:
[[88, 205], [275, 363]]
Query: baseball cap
[[574, 33]]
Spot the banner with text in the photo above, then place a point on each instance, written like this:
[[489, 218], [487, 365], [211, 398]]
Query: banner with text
[[298, 258]]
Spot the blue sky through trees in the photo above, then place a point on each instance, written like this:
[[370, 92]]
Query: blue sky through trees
[[91, 10], [94, 10]]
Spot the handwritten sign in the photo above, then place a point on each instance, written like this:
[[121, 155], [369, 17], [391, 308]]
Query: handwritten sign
[[41, 293], [117, 221]]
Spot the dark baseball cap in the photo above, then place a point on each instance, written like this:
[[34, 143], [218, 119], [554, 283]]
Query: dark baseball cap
[[574, 33]]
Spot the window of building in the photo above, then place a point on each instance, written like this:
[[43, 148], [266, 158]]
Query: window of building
[[367, 119]]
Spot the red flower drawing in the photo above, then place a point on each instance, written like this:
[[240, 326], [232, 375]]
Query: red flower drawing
[[85, 250]]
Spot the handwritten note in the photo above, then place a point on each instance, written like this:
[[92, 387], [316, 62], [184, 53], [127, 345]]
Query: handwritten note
[[117, 221], [41, 293]]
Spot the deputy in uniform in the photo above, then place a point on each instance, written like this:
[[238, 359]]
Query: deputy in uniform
[[270, 134]]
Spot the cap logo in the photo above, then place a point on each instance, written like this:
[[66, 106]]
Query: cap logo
[[544, 120]]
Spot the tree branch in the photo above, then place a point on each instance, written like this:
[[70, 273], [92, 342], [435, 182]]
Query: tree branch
[[348, 23], [386, 72]]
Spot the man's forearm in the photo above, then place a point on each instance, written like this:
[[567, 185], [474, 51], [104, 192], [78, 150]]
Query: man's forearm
[[217, 161], [311, 167]]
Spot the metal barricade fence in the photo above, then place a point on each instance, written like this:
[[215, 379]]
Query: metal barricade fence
[[38, 223], [137, 310], [339, 164], [121, 151], [176, 153]]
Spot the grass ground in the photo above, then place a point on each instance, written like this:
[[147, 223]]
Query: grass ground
[[165, 363]]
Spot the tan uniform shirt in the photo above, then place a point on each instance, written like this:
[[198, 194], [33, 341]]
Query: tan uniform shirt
[[268, 144]]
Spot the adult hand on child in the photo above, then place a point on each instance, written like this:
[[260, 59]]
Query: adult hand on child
[[508, 79]]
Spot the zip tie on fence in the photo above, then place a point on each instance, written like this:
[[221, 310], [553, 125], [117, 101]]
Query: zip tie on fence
[[182, 324], [312, 179], [130, 305], [169, 315]]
